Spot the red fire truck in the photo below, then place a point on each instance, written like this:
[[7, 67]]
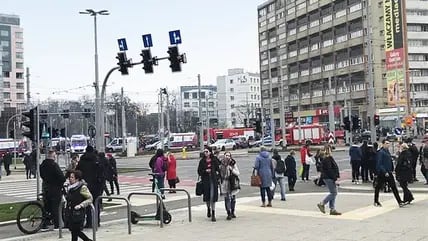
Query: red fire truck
[[314, 133], [226, 133]]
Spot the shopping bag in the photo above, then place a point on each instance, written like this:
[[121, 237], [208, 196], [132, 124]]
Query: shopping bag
[[300, 171], [199, 187], [255, 180]]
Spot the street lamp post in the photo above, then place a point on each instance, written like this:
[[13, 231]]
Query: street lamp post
[[98, 119]]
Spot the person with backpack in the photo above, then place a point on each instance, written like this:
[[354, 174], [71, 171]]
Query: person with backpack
[[403, 172], [290, 171], [423, 160], [279, 173], [160, 167]]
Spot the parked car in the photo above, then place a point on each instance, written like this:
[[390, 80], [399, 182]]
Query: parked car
[[266, 141], [224, 144], [241, 141]]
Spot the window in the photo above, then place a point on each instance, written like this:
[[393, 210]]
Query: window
[[232, 98], [4, 33], [5, 54], [202, 95], [211, 104], [19, 65], [262, 12], [6, 95], [231, 81], [19, 35], [291, 10], [203, 104], [186, 95], [4, 43], [232, 89], [194, 104], [20, 96], [6, 84], [19, 75], [194, 95], [355, 8], [232, 106], [6, 74], [262, 23], [194, 113], [186, 104], [19, 55], [19, 45]]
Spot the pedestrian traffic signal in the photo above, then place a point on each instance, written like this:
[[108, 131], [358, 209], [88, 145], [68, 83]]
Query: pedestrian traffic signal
[[175, 59], [376, 120], [123, 63], [347, 123], [30, 125], [148, 61]]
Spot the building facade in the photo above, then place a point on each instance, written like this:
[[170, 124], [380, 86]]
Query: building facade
[[239, 98], [12, 49], [312, 51], [188, 114]]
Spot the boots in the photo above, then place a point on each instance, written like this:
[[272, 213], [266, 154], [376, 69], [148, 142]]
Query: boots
[[208, 212], [213, 216], [229, 216], [232, 214]]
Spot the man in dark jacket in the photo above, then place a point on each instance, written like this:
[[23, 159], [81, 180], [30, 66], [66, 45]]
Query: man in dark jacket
[[355, 156], [290, 171], [93, 174], [413, 149], [53, 181], [7, 160], [384, 168], [365, 161]]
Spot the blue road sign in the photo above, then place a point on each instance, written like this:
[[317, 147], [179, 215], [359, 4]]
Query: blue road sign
[[122, 44], [398, 131], [147, 40], [175, 37]]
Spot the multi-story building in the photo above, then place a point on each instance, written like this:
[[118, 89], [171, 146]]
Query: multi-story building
[[12, 49], [188, 114], [314, 50], [238, 98]]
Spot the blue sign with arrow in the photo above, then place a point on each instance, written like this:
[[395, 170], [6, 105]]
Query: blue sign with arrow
[[175, 37], [122, 44], [147, 40], [398, 131]]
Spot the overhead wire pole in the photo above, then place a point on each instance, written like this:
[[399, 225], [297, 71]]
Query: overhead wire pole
[[201, 126], [167, 119], [272, 122]]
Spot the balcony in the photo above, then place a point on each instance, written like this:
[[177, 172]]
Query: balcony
[[418, 64]]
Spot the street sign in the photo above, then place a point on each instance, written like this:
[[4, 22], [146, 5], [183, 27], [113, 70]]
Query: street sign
[[122, 44], [92, 131], [147, 40], [398, 131], [175, 37]]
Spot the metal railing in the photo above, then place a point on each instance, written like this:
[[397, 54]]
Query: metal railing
[[158, 200], [128, 207], [189, 201], [94, 221]]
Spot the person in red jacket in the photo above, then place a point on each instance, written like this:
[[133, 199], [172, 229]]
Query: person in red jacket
[[304, 151], [171, 174]]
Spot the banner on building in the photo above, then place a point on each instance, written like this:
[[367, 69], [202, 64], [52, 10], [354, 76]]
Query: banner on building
[[394, 50]]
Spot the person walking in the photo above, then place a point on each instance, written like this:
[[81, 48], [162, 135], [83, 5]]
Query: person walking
[[160, 169], [33, 162], [1, 164], [365, 157], [330, 174], [78, 198], [53, 181], [230, 183], [305, 156], [404, 172], [171, 174], [209, 171], [290, 171], [414, 154], [423, 160], [27, 164], [384, 168], [355, 156], [279, 173], [93, 174], [318, 159], [114, 178], [7, 160], [371, 159], [107, 174], [263, 166]]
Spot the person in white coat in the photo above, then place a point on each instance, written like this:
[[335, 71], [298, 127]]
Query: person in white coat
[[229, 183]]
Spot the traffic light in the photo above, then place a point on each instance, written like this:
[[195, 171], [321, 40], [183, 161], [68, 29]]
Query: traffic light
[[347, 123], [356, 122], [87, 113], [258, 126], [124, 63], [147, 61], [174, 58], [65, 114], [376, 120], [30, 125]]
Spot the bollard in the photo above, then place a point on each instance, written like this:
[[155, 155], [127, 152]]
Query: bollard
[[184, 153]]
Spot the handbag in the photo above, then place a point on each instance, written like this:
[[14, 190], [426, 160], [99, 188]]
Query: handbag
[[255, 180], [177, 180], [74, 216], [199, 187], [234, 182], [309, 160]]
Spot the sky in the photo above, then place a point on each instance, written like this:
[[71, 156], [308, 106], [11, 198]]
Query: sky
[[59, 43]]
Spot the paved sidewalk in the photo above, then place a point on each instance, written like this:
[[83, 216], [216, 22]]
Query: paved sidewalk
[[296, 219]]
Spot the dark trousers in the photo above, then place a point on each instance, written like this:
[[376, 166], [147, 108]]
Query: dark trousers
[[7, 168], [414, 163], [171, 183], [52, 202], [291, 182], [263, 192], [28, 173], [105, 189], [365, 173], [116, 183], [407, 194], [229, 203], [76, 232], [355, 169], [305, 173], [381, 180], [424, 172], [96, 191]]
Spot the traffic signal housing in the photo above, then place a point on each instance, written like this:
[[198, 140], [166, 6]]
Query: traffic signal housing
[[30, 124], [123, 63], [347, 123], [148, 61], [376, 120], [356, 122], [175, 59]]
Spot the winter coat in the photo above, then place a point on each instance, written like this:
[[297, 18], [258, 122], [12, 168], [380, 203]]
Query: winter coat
[[227, 169], [92, 172], [172, 168], [355, 153], [113, 166], [7, 159], [53, 178], [365, 152], [371, 158], [290, 164], [108, 172], [383, 162], [159, 166], [207, 178], [27, 162], [77, 194], [403, 168], [264, 168], [303, 152], [423, 152], [329, 168]]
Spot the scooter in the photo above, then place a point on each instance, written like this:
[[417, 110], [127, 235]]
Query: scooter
[[135, 217]]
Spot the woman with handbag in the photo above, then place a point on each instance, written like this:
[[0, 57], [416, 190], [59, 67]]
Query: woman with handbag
[[230, 183], [264, 168], [171, 174], [78, 198], [209, 171]]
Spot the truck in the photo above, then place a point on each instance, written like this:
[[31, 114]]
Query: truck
[[227, 133], [180, 140], [78, 144], [314, 133], [115, 145]]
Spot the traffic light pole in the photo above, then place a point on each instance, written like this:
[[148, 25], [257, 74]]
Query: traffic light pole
[[8, 122], [38, 153]]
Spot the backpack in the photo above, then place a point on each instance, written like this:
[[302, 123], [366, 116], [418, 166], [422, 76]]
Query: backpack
[[152, 162], [280, 166]]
